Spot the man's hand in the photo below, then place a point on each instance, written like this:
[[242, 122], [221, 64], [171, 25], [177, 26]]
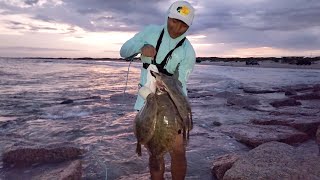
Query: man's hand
[[148, 50]]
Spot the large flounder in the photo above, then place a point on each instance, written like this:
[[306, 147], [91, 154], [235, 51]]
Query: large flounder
[[164, 114]]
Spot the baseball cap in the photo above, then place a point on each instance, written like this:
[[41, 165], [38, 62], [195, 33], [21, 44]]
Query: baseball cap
[[183, 11]]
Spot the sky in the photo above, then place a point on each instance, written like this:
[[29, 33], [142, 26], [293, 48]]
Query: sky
[[98, 28]]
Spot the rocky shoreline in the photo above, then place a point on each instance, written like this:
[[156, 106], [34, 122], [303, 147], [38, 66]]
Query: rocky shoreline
[[287, 139], [286, 119], [282, 146]]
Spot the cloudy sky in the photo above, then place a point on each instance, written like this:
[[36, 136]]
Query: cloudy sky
[[98, 28]]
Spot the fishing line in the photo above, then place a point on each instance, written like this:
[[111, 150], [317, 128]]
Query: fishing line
[[102, 164], [128, 59]]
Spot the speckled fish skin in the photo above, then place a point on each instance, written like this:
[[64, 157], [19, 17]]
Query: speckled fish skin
[[171, 85], [167, 126], [164, 114], [145, 121]]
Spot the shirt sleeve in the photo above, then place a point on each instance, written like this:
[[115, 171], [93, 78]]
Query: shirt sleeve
[[186, 67], [134, 45]]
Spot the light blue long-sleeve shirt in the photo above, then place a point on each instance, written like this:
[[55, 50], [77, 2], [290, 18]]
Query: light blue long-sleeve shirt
[[183, 55]]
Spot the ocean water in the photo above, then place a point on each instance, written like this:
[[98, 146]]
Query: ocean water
[[100, 118]]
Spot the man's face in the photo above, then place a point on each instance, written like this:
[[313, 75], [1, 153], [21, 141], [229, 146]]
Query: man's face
[[176, 27]]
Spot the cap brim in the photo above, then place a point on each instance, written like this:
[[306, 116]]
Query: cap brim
[[174, 16]]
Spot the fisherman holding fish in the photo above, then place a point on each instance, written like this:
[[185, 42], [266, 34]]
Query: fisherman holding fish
[[166, 50]]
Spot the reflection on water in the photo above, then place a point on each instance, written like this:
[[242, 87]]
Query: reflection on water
[[98, 117]]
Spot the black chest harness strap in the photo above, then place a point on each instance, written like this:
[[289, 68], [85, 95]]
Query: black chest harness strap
[[166, 59]]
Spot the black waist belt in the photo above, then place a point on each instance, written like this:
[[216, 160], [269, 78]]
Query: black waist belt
[[160, 69]]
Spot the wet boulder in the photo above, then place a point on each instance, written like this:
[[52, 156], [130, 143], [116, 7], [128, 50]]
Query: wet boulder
[[305, 124], [290, 92], [316, 88], [242, 101], [285, 102], [67, 171], [123, 98], [275, 160], [258, 90], [93, 97], [68, 101], [28, 156], [200, 94], [223, 163], [62, 171], [308, 96], [299, 87], [225, 94], [308, 109], [255, 135]]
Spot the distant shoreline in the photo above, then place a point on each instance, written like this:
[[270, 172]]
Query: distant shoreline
[[262, 62], [265, 64], [199, 59]]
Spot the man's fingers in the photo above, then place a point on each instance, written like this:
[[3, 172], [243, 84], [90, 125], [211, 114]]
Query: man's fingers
[[148, 51], [154, 52]]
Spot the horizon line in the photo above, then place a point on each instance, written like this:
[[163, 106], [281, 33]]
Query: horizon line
[[39, 57]]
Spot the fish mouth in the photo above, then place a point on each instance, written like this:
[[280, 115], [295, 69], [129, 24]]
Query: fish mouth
[[161, 87], [159, 84], [154, 74]]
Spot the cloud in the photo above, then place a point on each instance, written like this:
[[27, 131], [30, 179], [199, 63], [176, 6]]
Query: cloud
[[259, 15], [25, 48], [43, 17], [233, 24], [31, 2]]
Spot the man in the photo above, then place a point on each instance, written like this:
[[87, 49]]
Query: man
[[167, 48]]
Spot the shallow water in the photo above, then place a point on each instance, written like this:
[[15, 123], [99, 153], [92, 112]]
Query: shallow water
[[100, 118]]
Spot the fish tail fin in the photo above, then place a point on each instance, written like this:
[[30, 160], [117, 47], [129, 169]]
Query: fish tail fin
[[138, 149]]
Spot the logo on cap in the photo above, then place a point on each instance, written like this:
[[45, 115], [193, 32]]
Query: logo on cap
[[183, 10]]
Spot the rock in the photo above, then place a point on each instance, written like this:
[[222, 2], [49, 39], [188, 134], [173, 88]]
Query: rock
[[68, 101], [28, 156], [222, 163], [308, 96], [242, 101], [290, 93], [307, 125], [299, 87], [255, 135], [296, 111], [225, 94], [93, 97], [286, 102], [282, 122], [71, 171], [122, 98], [275, 160], [200, 94], [216, 123], [256, 90], [316, 88]]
